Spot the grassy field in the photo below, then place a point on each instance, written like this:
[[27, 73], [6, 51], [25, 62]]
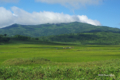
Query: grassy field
[[54, 62]]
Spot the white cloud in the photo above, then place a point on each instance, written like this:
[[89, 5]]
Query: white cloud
[[20, 16], [85, 19], [7, 1], [6, 17], [73, 3]]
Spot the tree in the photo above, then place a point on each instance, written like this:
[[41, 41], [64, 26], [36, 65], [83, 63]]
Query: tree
[[5, 35], [36, 38]]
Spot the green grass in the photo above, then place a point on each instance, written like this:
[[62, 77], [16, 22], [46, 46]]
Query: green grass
[[52, 62], [56, 73], [56, 53]]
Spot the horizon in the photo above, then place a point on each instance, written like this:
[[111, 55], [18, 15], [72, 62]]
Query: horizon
[[56, 23], [36, 12]]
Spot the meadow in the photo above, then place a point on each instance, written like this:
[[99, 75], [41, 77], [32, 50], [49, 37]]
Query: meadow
[[58, 62]]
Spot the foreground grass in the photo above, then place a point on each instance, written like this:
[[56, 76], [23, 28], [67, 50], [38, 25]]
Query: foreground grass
[[44, 69], [55, 73], [22, 69], [52, 62]]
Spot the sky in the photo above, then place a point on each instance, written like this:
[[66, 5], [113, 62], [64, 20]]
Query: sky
[[34, 12]]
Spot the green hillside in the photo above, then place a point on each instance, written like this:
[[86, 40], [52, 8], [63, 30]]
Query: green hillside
[[102, 38], [53, 29]]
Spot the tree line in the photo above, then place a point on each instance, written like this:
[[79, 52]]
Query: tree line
[[83, 38], [5, 38]]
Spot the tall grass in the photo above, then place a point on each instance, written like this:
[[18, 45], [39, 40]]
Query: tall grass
[[55, 73]]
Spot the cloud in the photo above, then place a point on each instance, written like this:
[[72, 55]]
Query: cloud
[[6, 17], [73, 3], [7, 1], [85, 19], [23, 17]]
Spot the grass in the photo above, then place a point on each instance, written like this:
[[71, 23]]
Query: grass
[[56, 53], [56, 73], [52, 62]]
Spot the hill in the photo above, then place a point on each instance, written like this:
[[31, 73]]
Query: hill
[[54, 29], [98, 38]]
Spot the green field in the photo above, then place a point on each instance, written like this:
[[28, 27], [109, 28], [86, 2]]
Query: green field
[[96, 59], [56, 53]]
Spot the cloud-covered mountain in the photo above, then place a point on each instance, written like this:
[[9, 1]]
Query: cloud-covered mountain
[[20, 16], [53, 29]]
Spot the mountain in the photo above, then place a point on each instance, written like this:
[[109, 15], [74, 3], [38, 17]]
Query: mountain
[[54, 29]]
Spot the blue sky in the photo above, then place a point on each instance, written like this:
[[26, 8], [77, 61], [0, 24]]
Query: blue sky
[[33, 12]]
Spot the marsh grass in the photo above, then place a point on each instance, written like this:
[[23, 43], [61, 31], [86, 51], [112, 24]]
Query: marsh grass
[[52, 62], [59, 73], [26, 61], [41, 61]]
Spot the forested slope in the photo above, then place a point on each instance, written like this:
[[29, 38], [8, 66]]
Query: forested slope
[[54, 29], [87, 38]]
